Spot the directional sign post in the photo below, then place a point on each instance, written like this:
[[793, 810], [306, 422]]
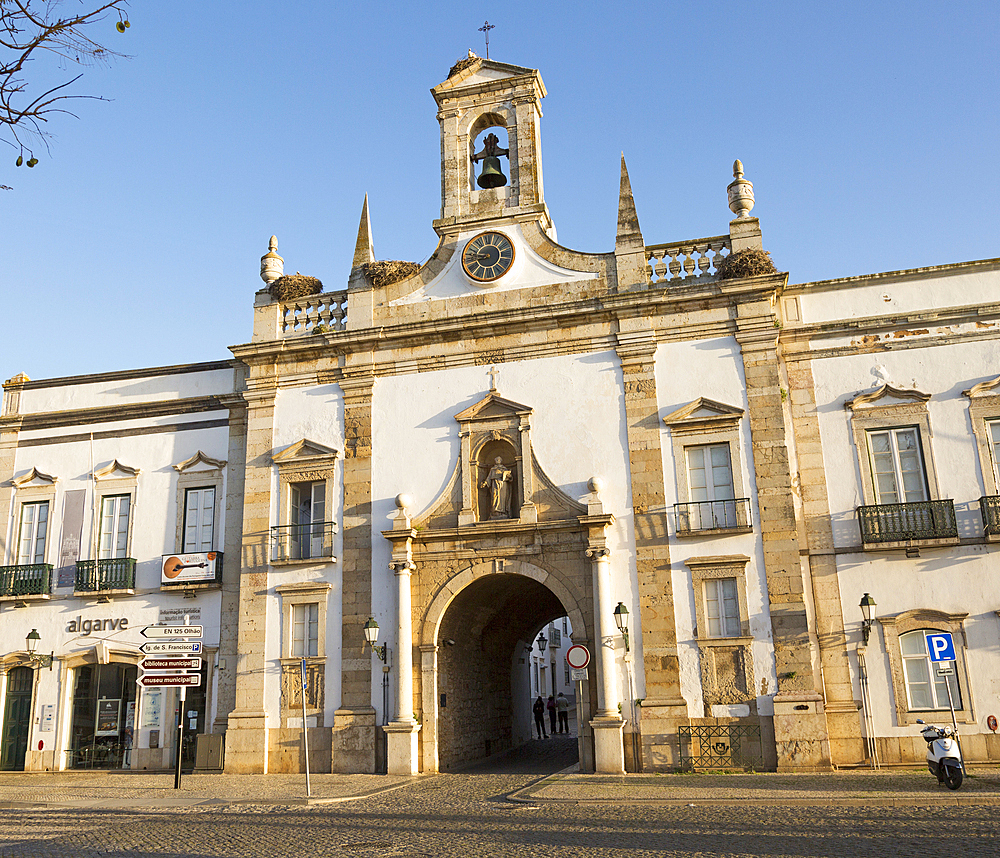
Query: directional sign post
[[167, 647], [172, 632], [171, 663], [169, 680]]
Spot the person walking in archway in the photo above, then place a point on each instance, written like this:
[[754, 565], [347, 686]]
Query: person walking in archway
[[562, 707], [539, 712], [550, 705]]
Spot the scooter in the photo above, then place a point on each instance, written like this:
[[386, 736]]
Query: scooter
[[944, 756]]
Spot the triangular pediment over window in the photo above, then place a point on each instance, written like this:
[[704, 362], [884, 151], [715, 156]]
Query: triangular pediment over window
[[703, 413], [116, 470], [491, 407], [34, 477], [303, 452], [886, 394], [200, 462]]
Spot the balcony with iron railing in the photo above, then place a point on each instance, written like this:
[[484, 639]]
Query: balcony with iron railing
[[298, 542], [990, 508], [105, 576], [716, 516], [34, 579], [899, 525]]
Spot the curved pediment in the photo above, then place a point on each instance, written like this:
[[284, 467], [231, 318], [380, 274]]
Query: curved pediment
[[886, 394], [34, 477], [202, 460], [116, 470], [984, 388]]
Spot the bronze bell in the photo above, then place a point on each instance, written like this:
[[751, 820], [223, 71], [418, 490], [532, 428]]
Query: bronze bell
[[491, 176]]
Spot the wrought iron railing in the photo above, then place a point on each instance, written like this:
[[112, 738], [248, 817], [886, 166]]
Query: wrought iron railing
[[93, 576], [34, 579], [990, 508], [721, 746], [555, 639], [903, 522], [303, 541], [712, 515]]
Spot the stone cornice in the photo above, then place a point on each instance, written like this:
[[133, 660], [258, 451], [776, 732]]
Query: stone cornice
[[891, 276], [104, 377], [113, 413], [409, 334]]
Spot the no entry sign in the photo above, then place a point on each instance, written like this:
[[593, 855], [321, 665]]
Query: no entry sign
[[578, 656]]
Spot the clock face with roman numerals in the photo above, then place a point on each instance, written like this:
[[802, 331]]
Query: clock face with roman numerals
[[488, 256]]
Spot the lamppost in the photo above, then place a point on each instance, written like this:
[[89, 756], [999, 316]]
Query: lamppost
[[868, 613], [867, 621], [542, 643], [371, 636], [31, 644], [621, 620]]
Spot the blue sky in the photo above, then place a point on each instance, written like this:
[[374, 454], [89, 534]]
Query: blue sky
[[870, 132]]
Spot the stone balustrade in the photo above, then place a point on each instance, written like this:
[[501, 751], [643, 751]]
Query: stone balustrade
[[314, 314], [679, 261]]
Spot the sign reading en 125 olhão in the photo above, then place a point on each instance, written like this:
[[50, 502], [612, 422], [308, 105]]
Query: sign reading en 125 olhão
[[172, 632], [940, 646]]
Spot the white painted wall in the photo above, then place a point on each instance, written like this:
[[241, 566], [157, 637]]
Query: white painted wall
[[684, 372], [577, 431], [952, 579]]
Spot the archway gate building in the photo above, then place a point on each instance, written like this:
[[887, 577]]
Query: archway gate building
[[511, 433]]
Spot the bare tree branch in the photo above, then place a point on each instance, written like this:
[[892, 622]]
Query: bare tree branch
[[32, 30]]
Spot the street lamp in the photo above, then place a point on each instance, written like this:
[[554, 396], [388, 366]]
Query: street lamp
[[541, 642], [868, 613], [31, 644], [371, 635], [621, 620]]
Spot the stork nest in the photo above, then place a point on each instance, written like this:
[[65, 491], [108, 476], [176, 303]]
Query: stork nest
[[387, 271], [292, 286], [463, 63], [747, 263]]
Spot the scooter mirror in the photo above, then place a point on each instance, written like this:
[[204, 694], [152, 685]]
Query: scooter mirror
[[920, 720]]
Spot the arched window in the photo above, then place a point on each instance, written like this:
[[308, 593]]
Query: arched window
[[925, 689]]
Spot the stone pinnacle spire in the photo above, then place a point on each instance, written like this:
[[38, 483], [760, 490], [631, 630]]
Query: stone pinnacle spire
[[363, 250], [629, 235]]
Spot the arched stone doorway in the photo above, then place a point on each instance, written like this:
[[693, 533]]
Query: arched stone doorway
[[474, 691]]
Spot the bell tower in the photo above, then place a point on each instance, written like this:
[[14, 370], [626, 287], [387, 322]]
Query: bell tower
[[481, 103]]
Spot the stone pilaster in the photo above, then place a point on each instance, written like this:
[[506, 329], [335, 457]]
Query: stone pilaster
[[799, 719], [663, 708], [10, 428], [232, 545], [843, 722], [353, 745], [246, 736], [609, 750]]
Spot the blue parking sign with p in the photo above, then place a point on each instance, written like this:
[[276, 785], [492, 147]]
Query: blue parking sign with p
[[940, 646]]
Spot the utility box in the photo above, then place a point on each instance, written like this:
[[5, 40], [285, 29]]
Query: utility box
[[209, 751]]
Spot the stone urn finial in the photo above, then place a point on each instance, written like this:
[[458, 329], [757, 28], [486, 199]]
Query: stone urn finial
[[740, 192], [272, 266]]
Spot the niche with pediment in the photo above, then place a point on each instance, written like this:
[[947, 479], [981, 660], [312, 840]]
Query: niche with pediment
[[497, 478]]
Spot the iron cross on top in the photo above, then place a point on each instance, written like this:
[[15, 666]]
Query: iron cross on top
[[486, 29]]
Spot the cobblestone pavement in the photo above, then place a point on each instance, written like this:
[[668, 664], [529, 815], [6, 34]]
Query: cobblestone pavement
[[471, 814], [467, 815]]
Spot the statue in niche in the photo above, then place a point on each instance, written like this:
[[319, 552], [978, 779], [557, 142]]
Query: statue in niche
[[499, 481]]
